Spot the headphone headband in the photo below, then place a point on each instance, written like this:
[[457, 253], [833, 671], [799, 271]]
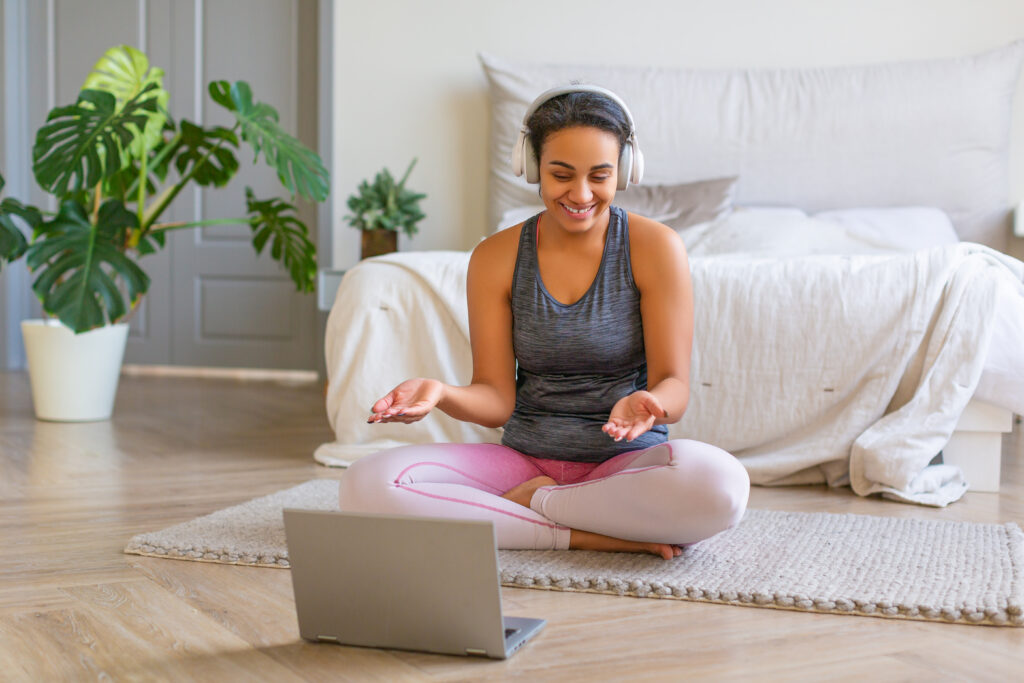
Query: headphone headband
[[525, 159], [566, 89]]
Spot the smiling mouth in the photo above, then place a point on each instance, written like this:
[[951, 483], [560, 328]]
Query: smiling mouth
[[579, 213]]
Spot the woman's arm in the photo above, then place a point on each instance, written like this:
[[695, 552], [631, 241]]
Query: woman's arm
[[662, 273], [490, 397]]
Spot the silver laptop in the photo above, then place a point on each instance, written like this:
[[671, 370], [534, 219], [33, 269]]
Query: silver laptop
[[407, 583]]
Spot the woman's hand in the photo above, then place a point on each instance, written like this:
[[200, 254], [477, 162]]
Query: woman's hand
[[633, 415], [409, 402]]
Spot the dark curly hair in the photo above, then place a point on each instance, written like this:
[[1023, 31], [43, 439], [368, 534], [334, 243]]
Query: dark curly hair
[[577, 109]]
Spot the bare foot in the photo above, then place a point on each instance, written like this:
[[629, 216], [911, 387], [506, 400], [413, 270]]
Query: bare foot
[[586, 540], [523, 493]]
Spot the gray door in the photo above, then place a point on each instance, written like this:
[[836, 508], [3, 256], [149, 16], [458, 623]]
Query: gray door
[[212, 301]]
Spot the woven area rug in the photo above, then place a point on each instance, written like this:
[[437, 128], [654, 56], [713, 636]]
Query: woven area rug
[[845, 564]]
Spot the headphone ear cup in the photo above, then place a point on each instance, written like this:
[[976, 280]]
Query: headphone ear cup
[[531, 168], [638, 163], [517, 154], [625, 167]]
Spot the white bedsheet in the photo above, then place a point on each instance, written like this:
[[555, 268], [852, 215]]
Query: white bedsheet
[[846, 369]]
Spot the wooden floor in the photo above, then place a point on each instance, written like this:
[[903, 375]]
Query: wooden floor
[[73, 607]]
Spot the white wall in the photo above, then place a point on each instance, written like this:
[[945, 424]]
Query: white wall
[[407, 81]]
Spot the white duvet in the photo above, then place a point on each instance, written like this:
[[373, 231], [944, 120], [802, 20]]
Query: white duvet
[[845, 369]]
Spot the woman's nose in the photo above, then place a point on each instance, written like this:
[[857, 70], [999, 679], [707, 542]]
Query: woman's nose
[[581, 191]]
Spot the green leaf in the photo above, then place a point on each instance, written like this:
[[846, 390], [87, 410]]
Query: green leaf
[[124, 72], [385, 204], [79, 266], [152, 242], [196, 143], [87, 142], [12, 242], [125, 183], [220, 91], [298, 167], [273, 221], [121, 184], [163, 153]]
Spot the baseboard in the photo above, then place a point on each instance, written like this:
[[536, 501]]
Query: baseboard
[[241, 374]]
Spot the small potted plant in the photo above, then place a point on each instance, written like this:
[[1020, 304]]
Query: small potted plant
[[381, 208], [114, 161]]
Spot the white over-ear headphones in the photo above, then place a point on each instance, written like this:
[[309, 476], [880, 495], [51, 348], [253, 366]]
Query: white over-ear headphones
[[525, 159]]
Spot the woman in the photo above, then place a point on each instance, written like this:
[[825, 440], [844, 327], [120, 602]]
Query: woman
[[581, 327]]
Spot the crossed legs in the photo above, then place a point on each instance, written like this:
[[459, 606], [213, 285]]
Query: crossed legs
[[676, 493]]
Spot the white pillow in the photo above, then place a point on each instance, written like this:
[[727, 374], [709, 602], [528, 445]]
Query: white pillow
[[900, 229], [780, 232], [922, 133]]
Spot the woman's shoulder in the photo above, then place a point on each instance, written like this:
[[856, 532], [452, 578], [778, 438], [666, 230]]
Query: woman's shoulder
[[494, 258], [656, 250], [501, 242]]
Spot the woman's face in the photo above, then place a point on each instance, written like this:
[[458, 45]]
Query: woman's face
[[578, 176]]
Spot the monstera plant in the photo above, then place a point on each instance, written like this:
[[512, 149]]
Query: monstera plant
[[116, 159]]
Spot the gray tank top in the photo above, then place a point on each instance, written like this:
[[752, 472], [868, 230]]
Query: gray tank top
[[575, 361]]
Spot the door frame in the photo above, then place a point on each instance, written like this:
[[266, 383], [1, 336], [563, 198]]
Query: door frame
[[15, 292]]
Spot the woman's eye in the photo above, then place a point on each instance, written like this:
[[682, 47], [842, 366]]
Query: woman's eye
[[601, 178], [562, 177]]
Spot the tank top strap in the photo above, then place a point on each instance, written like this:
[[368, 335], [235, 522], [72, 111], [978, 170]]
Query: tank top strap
[[526, 256], [618, 265]]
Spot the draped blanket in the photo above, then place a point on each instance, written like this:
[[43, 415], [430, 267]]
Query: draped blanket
[[845, 369]]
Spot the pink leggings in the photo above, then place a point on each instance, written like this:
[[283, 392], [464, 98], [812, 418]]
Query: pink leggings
[[678, 492]]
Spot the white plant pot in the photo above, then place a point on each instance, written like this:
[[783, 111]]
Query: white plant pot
[[73, 376]]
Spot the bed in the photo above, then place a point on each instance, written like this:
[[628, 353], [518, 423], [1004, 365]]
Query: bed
[[857, 321]]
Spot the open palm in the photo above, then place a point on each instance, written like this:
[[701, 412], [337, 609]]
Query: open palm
[[408, 402], [633, 415]]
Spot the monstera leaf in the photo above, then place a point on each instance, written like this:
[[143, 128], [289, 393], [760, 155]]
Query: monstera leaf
[[79, 265], [122, 183], [124, 72], [298, 167], [12, 242], [125, 183], [210, 144], [287, 236], [88, 141]]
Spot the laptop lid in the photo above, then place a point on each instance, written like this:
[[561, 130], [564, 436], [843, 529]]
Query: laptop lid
[[409, 583]]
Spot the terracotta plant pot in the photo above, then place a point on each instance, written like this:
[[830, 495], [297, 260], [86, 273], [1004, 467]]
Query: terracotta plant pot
[[379, 241]]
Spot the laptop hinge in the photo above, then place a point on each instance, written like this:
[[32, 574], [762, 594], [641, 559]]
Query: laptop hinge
[[473, 651], [329, 639]]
